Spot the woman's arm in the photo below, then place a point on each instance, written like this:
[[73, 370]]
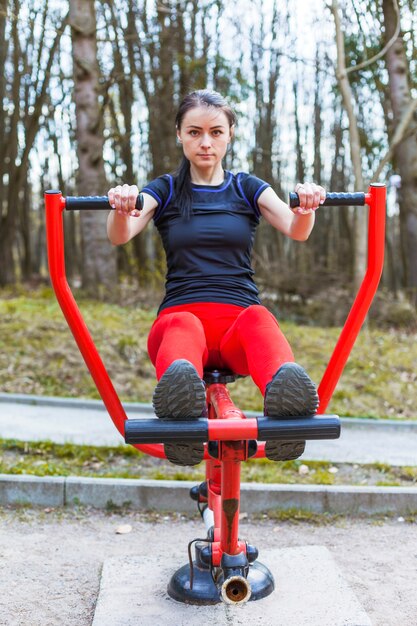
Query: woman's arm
[[125, 221], [295, 223]]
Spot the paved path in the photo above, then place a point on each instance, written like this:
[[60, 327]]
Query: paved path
[[326, 598], [51, 564], [32, 418]]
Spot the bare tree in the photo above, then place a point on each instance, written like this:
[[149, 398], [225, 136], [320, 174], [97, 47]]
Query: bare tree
[[360, 222], [318, 125], [405, 151], [20, 124], [98, 257]]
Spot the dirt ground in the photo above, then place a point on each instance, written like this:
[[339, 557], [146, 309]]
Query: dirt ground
[[50, 561]]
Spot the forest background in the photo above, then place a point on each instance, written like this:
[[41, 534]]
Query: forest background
[[324, 91]]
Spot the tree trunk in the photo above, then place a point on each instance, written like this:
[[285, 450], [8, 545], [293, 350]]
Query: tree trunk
[[269, 249], [360, 222], [9, 150], [98, 257], [26, 232], [300, 174], [405, 154], [318, 127], [3, 56], [20, 129]]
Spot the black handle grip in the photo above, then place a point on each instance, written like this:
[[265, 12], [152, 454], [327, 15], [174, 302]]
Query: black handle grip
[[94, 203], [356, 198], [308, 427], [165, 430]]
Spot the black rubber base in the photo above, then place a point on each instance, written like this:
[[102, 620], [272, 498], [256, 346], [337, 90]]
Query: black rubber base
[[205, 591]]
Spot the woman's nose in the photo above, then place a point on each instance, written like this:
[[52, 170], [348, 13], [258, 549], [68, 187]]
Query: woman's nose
[[205, 141]]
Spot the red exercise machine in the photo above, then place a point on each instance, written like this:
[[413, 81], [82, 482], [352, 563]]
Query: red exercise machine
[[225, 568]]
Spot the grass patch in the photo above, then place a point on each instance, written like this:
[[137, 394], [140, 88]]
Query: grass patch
[[38, 355], [50, 459], [302, 516]]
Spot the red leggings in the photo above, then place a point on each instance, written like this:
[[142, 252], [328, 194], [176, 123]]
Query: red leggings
[[212, 335]]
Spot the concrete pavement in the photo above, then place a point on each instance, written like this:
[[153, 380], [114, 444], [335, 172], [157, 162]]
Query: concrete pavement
[[309, 591]]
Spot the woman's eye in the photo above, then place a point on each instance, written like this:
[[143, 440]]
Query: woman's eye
[[193, 133]]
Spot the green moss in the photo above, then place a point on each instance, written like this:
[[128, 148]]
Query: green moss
[[408, 473], [46, 458], [381, 467], [301, 516], [50, 459], [111, 507], [388, 483]]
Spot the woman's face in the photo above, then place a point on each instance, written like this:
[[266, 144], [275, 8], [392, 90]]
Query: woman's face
[[205, 134]]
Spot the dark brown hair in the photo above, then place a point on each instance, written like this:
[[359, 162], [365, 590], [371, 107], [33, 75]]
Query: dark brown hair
[[182, 180]]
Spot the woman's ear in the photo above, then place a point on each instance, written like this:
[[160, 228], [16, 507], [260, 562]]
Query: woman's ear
[[232, 132], [179, 136]]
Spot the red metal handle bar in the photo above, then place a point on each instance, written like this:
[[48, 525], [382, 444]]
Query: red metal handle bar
[[55, 205], [376, 200]]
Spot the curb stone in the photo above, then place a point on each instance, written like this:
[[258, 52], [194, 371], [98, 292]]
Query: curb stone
[[172, 495]]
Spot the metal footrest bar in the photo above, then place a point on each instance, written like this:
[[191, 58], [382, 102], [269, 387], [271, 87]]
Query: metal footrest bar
[[202, 429]]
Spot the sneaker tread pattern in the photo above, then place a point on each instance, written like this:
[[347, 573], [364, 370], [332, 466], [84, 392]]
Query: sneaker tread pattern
[[180, 395]]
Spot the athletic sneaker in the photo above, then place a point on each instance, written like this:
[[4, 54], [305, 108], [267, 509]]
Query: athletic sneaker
[[290, 393], [181, 395]]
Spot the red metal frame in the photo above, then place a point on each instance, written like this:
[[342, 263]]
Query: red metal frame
[[223, 474], [376, 200], [55, 205]]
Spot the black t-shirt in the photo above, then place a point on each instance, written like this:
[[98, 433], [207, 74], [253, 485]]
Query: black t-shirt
[[209, 255]]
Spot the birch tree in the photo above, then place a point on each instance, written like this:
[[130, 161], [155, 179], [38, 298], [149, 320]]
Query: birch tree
[[360, 217]]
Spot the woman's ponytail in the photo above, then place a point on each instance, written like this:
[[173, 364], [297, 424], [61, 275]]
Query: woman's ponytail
[[182, 188]]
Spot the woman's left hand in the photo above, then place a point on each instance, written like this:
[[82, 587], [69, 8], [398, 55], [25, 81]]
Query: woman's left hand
[[311, 196]]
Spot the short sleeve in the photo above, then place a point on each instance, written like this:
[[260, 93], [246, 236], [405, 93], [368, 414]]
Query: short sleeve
[[251, 187], [161, 189]]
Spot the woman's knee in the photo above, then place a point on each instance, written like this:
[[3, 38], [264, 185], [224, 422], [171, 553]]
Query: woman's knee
[[256, 314], [182, 320], [176, 325]]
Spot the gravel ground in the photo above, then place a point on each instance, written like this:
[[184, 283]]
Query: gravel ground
[[50, 560]]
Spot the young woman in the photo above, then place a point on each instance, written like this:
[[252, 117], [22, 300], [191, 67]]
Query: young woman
[[211, 315]]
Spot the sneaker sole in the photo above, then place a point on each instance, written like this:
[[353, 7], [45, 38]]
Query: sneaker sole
[[290, 395], [184, 454], [180, 395], [284, 450]]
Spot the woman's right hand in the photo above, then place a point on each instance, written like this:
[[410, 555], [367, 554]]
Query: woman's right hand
[[123, 200]]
